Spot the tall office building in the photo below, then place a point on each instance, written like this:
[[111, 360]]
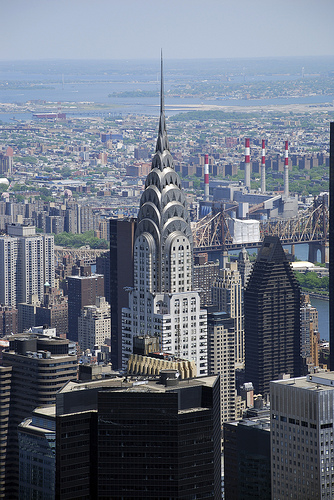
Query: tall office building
[[331, 249], [8, 264], [309, 333], [37, 454], [82, 291], [122, 234], [247, 459], [221, 360], [162, 302], [227, 296], [38, 367], [156, 440], [302, 457], [26, 264], [272, 318]]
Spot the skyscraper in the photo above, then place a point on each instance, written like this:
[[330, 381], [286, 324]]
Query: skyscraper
[[26, 264], [302, 457], [162, 302], [122, 233], [38, 367], [272, 318], [123, 440], [331, 249], [227, 296]]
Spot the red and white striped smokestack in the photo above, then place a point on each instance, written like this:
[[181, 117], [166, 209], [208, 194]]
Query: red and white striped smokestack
[[286, 169], [206, 178], [247, 163], [263, 167]]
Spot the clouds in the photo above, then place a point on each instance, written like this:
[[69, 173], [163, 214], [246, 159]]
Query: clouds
[[118, 29]]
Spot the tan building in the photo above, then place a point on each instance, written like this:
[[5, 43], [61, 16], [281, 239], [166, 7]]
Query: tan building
[[221, 360], [94, 324], [227, 297]]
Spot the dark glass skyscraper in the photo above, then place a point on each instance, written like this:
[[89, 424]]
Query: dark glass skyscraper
[[331, 249], [272, 318]]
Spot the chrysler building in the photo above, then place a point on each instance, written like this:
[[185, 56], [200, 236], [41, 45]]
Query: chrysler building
[[162, 302]]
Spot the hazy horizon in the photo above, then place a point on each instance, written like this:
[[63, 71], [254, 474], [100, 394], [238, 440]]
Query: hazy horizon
[[188, 30]]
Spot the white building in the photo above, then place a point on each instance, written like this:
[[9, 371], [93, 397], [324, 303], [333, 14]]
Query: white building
[[26, 264], [94, 324], [162, 302], [8, 262], [302, 456]]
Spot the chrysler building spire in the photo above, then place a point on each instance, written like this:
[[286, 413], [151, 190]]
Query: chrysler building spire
[[162, 303], [162, 141]]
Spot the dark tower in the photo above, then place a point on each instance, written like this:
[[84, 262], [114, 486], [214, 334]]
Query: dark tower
[[331, 249], [122, 232], [272, 318]]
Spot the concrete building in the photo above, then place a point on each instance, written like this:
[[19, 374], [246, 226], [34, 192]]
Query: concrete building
[[302, 457], [227, 296], [272, 318], [94, 324], [163, 302]]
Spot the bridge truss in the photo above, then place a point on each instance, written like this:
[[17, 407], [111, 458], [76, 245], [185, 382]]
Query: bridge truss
[[310, 225]]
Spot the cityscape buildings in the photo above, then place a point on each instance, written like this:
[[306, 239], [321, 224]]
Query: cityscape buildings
[[272, 318], [162, 302]]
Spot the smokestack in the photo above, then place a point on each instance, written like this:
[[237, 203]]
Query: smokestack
[[263, 167], [247, 163], [206, 178], [286, 170]]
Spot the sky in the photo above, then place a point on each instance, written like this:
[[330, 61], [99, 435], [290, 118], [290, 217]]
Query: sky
[[184, 29]]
